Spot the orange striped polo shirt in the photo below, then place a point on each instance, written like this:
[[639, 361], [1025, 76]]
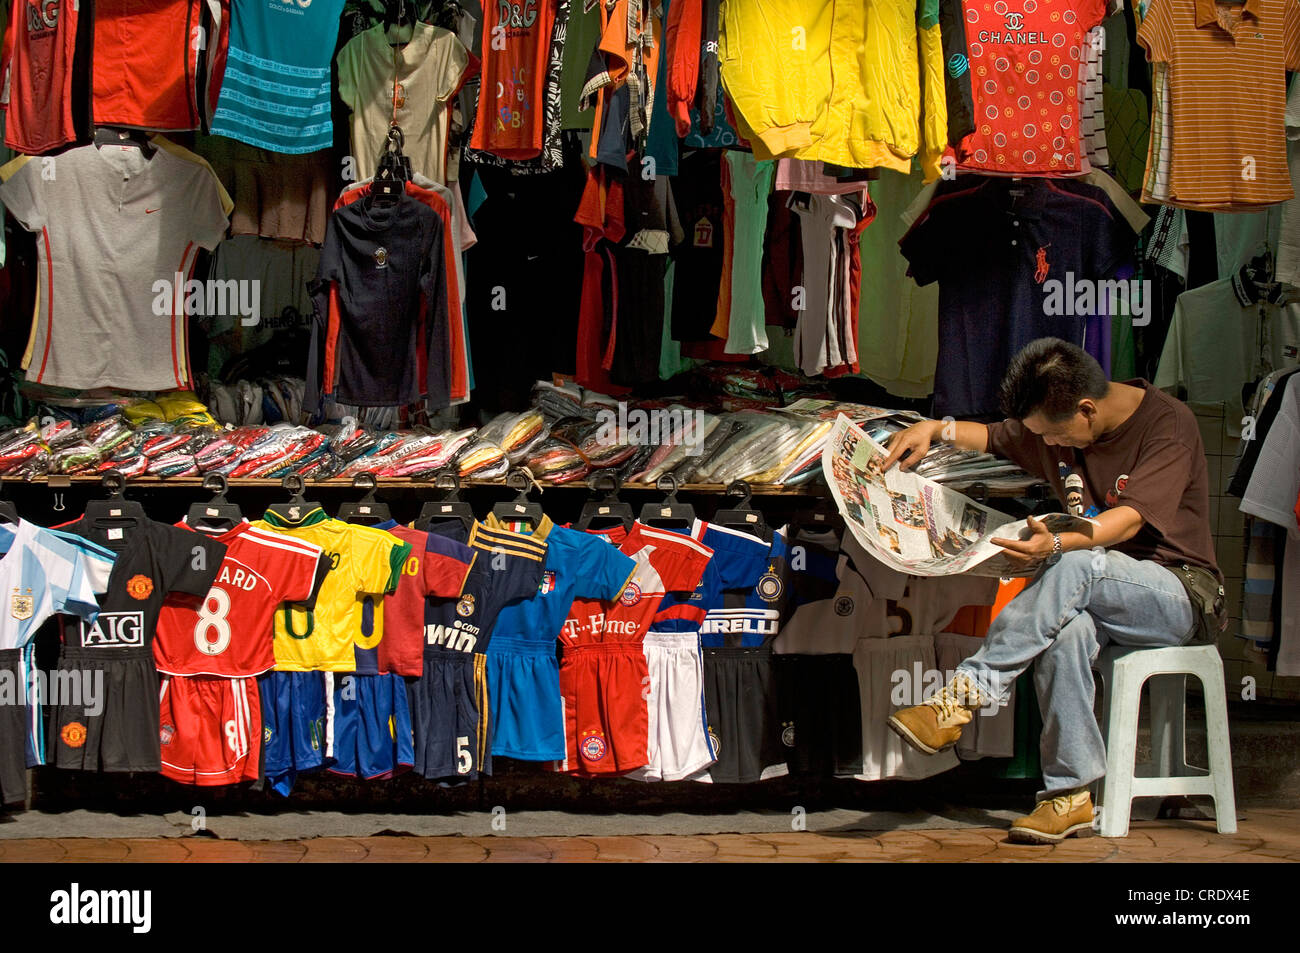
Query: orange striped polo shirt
[[1226, 69]]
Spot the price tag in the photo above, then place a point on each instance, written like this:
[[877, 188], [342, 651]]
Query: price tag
[[115, 533]]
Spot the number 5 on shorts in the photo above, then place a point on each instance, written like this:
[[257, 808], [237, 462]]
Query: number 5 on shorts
[[464, 760]]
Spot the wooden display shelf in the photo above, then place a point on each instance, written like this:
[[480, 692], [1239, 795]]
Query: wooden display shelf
[[407, 485]]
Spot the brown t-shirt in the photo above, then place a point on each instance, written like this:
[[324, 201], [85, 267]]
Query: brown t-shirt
[[1153, 462]]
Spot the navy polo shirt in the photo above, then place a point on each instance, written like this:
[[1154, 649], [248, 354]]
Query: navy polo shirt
[[996, 246]]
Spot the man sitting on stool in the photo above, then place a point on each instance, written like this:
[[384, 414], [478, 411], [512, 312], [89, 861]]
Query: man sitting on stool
[[1130, 456]]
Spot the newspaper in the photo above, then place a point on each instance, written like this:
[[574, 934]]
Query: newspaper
[[915, 525]]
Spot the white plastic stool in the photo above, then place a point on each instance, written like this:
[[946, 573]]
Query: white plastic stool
[[1123, 671]]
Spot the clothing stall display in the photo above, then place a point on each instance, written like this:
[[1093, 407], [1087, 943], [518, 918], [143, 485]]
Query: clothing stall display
[[615, 241]]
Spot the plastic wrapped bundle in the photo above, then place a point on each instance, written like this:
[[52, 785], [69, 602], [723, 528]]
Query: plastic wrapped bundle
[[482, 460], [516, 434], [558, 461]]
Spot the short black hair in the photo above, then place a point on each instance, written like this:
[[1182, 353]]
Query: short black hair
[[1050, 376]]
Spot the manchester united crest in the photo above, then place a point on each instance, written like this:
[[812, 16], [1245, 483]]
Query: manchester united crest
[[139, 587], [21, 604]]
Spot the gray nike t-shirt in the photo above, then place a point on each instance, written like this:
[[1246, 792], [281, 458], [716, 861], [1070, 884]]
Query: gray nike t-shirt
[[110, 225]]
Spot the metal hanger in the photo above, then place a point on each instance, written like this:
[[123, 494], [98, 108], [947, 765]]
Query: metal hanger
[[298, 506], [519, 510], [450, 507], [668, 513], [216, 513], [608, 507], [743, 516], [366, 511], [116, 507]]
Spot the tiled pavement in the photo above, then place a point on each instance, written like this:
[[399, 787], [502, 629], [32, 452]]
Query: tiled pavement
[[1265, 836]]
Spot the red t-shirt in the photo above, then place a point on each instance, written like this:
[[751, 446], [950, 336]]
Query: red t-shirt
[[437, 567], [1026, 57], [511, 99], [232, 633], [665, 562], [38, 48], [144, 61]]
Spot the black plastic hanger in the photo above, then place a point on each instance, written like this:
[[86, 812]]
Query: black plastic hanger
[[298, 506], [668, 513], [743, 516], [450, 507], [366, 511], [116, 507], [392, 171], [519, 510], [9, 512], [113, 136], [608, 507], [216, 513]]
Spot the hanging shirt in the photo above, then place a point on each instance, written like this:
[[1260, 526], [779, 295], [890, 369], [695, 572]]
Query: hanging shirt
[[381, 290], [1013, 261], [411, 84], [1025, 64], [37, 61], [43, 574], [275, 90], [523, 675], [665, 562], [230, 632], [437, 568], [153, 560], [507, 567], [145, 63], [511, 104], [739, 558], [363, 561], [116, 231], [1225, 93]]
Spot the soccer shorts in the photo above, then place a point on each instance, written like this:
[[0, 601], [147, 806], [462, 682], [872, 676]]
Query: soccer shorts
[[209, 729], [678, 735], [449, 714], [18, 722], [297, 711], [104, 710], [372, 727], [821, 714], [527, 708], [605, 687], [888, 670], [741, 706]]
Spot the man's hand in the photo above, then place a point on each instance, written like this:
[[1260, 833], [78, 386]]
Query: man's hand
[[1031, 551], [909, 447]]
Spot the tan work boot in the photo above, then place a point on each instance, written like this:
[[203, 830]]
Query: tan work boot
[[1055, 819], [936, 724]]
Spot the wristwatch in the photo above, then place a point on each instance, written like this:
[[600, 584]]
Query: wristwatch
[[1055, 556]]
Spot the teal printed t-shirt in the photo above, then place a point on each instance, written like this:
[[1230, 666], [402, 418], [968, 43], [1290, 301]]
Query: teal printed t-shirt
[[275, 93]]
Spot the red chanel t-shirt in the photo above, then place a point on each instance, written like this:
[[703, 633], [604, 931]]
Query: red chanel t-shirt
[[1025, 63]]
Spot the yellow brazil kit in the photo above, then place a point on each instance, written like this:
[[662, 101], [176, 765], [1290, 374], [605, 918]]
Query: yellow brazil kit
[[363, 562]]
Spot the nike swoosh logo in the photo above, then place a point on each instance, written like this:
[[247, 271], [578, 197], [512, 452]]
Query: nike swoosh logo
[[150, 211]]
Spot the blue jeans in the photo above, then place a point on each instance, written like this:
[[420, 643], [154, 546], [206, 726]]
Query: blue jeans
[[1061, 621]]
